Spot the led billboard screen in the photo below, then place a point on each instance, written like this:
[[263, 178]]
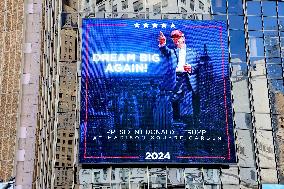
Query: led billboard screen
[[155, 91]]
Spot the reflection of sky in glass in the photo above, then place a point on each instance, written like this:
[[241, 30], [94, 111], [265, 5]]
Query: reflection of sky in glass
[[219, 6], [270, 23], [236, 22], [281, 8], [235, 7], [237, 45], [260, 39], [254, 23], [253, 8], [269, 8], [272, 186]]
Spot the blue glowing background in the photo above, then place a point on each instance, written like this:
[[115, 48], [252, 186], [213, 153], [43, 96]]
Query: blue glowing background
[[121, 112]]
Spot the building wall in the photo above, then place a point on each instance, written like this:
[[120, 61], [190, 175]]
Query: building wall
[[11, 37], [256, 56]]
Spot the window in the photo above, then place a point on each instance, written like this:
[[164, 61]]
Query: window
[[124, 4], [201, 5], [69, 141], [183, 1], [114, 9], [157, 8], [183, 11], [164, 3], [102, 8], [192, 5], [138, 5], [70, 150]]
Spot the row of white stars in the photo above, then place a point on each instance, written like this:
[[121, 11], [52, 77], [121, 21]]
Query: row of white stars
[[146, 25]]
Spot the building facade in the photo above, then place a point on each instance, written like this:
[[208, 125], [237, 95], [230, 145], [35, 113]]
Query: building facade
[[11, 55], [256, 46]]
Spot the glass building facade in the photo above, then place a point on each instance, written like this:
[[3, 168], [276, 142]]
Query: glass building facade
[[256, 55]]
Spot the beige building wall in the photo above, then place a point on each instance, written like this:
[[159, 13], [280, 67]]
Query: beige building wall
[[11, 53]]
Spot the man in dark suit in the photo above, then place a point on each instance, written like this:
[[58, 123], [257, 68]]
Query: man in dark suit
[[186, 64]]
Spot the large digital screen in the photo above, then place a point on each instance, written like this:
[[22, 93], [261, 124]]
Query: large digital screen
[[154, 92]]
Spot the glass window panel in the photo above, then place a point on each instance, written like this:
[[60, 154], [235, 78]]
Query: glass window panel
[[236, 22], [253, 8], [243, 120], [193, 176], [270, 33], [240, 94], [138, 175], [239, 70], [282, 44], [268, 176], [248, 177], [175, 177], [158, 177], [254, 23], [273, 60], [258, 70], [274, 71], [218, 6], [281, 23], [211, 176], [171, 16], [245, 148], [262, 121], [260, 91], [255, 34], [269, 8], [120, 175], [207, 17], [256, 47], [220, 17], [230, 186], [276, 85], [270, 23], [235, 7], [230, 176], [237, 45], [272, 48], [280, 8], [266, 149]]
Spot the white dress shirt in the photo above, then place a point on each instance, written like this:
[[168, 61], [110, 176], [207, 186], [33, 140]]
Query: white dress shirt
[[181, 59]]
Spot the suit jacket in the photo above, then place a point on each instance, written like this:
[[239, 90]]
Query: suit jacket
[[192, 58]]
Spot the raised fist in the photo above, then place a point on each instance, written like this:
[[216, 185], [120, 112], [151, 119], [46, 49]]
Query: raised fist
[[162, 39]]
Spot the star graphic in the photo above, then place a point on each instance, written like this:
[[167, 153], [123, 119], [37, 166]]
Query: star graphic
[[164, 25], [155, 25], [145, 25], [172, 25], [136, 25]]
